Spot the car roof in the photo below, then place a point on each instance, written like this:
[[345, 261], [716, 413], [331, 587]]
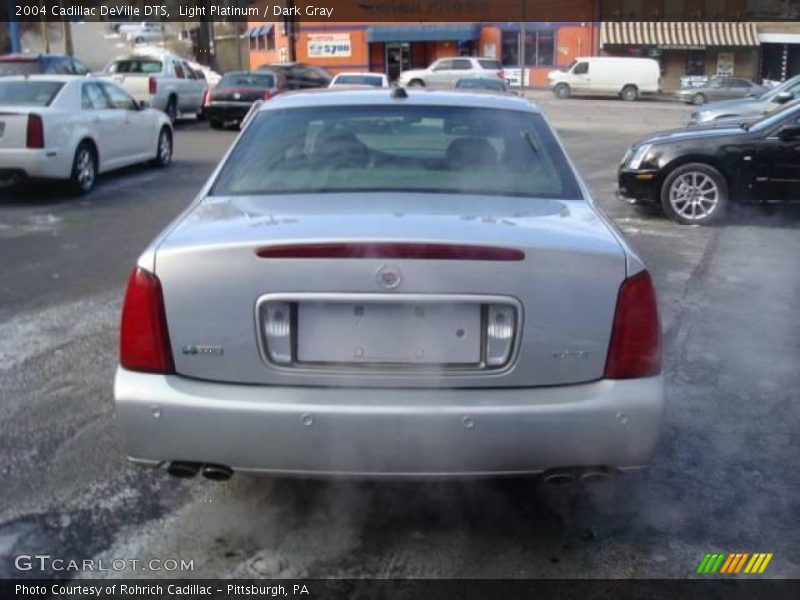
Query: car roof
[[360, 74], [38, 77], [20, 57], [389, 97]]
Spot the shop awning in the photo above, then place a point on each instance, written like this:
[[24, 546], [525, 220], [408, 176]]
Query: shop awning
[[260, 30], [677, 34], [422, 33]]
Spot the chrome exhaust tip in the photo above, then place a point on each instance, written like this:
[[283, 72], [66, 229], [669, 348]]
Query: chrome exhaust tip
[[217, 472], [558, 478], [599, 475], [183, 470]]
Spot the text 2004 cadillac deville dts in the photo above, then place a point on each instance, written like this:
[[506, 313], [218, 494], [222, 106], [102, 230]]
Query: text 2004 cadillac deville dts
[[379, 283]]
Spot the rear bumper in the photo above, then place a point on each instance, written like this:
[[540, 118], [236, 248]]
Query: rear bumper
[[46, 163], [227, 111], [315, 431]]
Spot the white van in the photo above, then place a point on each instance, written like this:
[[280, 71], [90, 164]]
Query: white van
[[628, 78]]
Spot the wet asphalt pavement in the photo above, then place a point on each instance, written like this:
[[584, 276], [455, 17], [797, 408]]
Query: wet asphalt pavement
[[725, 478]]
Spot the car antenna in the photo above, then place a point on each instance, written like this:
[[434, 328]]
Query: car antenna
[[399, 92]]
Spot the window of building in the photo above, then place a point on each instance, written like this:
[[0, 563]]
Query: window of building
[[253, 42], [540, 47], [772, 9], [696, 62], [262, 41], [271, 39]]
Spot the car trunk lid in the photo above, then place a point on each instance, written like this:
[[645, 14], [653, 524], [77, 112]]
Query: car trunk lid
[[417, 319]]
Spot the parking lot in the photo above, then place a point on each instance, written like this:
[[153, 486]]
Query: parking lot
[[725, 477]]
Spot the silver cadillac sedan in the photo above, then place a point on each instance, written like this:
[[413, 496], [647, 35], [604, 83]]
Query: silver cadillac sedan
[[391, 284]]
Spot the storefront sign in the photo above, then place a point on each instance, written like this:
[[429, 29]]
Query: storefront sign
[[514, 76], [725, 64], [321, 45]]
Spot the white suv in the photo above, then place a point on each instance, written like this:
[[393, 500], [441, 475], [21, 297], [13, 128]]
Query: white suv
[[446, 71]]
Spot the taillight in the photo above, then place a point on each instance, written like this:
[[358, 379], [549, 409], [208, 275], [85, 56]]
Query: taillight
[[501, 74], [35, 133], [144, 340], [206, 97], [393, 250], [152, 84], [635, 347], [267, 95]]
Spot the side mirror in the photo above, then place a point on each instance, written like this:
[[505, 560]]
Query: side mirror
[[143, 105], [789, 133], [784, 97]]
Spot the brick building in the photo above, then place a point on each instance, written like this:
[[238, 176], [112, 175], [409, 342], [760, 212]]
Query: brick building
[[395, 47]]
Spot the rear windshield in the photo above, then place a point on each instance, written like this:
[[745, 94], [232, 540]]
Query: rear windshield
[[28, 93], [266, 80], [431, 149], [135, 66], [373, 80], [492, 65], [19, 67]]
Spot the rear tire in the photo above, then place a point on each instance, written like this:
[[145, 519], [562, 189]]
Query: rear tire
[[630, 93], [215, 123], [163, 148], [698, 99], [695, 194], [416, 83], [562, 91], [172, 109], [84, 169]]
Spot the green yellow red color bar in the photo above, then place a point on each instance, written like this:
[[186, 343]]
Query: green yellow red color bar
[[732, 563]]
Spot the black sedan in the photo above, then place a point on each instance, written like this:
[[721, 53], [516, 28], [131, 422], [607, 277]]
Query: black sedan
[[236, 92], [694, 174]]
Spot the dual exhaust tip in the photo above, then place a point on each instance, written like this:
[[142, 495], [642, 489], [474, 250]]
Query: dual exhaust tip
[[187, 470], [585, 475]]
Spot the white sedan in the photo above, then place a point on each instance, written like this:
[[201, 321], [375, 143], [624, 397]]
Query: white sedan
[[73, 128], [367, 80]]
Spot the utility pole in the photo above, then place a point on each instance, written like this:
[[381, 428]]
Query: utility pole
[[13, 28], [522, 40], [66, 25], [45, 36], [290, 30]]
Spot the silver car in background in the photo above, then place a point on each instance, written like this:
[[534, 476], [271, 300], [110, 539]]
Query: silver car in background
[[768, 102], [391, 284], [720, 88]]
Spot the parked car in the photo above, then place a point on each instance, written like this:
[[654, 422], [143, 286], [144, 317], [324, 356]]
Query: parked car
[[446, 71], [389, 283], [233, 98], [72, 129], [165, 81], [301, 76], [123, 28], [628, 78], [33, 64], [720, 88], [695, 174], [481, 83], [762, 105], [362, 79], [149, 32]]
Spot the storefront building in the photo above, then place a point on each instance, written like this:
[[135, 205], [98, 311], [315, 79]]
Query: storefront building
[[396, 47], [687, 49], [780, 50]]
